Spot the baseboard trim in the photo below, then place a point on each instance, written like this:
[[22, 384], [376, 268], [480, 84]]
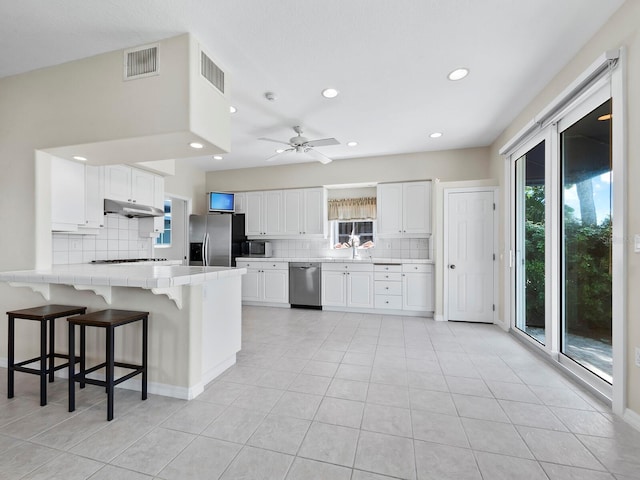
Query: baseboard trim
[[632, 418], [156, 388]]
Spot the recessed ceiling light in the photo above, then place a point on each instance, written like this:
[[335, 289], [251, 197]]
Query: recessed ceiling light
[[458, 74], [330, 93], [196, 145], [79, 158], [352, 144], [232, 109], [280, 150], [605, 117], [217, 157], [436, 135]]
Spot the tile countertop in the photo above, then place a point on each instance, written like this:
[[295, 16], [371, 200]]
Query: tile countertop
[[336, 260], [144, 276]]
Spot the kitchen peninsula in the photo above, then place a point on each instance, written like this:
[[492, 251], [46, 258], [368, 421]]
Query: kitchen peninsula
[[195, 315]]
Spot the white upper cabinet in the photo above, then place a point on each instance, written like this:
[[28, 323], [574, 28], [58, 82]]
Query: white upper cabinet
[[127, 184], [253, 214], [315, 212], [272, 213], [404, 209], [296, 213], [117, 182], [240, 200], [263, 212], [153, 226], [67, 195], [94, 197], [142, 187]]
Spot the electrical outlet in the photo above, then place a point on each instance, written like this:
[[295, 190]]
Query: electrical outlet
[[637, 356], [388, 246]]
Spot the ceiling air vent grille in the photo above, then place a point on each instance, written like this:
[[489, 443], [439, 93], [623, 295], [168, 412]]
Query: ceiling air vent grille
[[211, 72], [141, 62]]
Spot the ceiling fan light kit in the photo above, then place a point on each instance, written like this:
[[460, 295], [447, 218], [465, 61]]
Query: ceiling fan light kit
[[301, 144]]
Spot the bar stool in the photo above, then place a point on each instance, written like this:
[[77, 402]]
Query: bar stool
[[46, 315], [109, 320]]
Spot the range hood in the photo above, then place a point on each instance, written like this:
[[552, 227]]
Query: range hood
[[131, 210]]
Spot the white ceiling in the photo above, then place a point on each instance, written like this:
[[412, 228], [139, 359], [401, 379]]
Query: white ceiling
[[388, 59]]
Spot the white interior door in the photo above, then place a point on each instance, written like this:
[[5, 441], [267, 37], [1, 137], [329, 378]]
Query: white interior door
[[470, 255]]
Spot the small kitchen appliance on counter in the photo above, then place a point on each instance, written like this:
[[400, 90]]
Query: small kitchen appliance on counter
[[257, 248]]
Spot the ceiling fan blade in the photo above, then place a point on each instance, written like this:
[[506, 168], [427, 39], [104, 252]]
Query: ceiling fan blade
[[272, 157], [274, 141], [319, 156], [323, 142]]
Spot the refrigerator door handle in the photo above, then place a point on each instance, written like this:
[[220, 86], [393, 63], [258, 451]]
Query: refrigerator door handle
[[205, 249]]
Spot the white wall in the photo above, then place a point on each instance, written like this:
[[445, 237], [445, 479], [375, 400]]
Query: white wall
[[623, 29], [467, 164]]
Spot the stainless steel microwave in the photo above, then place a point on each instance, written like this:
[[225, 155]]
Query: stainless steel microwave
[[256, 248]]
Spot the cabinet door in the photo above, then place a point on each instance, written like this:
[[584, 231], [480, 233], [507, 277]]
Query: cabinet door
[[117, 182], [276, 286], [315, 212], [416, 212], [272, 212], [389, 206], [360, 289], [240, 202], [253, 214], [67, 194], [292, 207], [142, 184], [334, 289], [417, 292], [251, 290], [94, 197]]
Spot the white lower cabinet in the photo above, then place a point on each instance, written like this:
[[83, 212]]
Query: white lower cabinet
[[265, 282], [388, 286], [347, 285], [417, 287]]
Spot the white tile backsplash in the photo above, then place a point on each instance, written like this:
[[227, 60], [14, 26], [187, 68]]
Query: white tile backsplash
[[118, 239], [414, 248]]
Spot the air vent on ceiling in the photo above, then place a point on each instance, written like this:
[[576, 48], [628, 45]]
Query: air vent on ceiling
[[141, 62], [210, 71]]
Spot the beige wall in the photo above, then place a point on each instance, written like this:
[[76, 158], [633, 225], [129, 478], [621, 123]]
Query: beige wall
[[621, 30], [467, 164]]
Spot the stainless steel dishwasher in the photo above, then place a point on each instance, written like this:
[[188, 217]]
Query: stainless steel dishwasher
[[304, 285]]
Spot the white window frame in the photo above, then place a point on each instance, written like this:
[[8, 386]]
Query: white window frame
[[334, 229]]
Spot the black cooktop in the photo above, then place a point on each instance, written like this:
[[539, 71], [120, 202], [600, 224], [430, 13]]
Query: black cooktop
[[130, 260]]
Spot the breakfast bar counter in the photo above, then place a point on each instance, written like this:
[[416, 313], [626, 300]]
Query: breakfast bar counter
[[194, 323]]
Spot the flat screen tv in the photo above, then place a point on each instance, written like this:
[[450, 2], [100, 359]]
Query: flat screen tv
[[221, 202]]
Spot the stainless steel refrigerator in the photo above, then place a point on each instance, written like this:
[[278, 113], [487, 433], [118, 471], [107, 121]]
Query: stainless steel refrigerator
[[215, 239]]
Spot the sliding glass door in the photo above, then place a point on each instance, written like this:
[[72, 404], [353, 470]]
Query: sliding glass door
[[586, 256], [530, 237]]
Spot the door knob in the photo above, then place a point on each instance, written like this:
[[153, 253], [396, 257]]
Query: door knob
[[452, 267]]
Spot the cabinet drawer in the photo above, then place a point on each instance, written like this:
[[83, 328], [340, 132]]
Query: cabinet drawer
[[417, 268], [389, 301], [275, 265], [347, 267], [389, 277], [387, 268], [388, 288]]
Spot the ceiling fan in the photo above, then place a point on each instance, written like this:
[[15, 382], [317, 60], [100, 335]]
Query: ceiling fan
[[302, 144]]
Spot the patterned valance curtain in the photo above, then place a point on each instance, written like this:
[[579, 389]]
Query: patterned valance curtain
[[353, 209]]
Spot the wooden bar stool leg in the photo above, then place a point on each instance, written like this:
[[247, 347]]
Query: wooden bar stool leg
[[145, 326], [110, 373], [52, 347], [72, 367], [11, 357], [43, 363]]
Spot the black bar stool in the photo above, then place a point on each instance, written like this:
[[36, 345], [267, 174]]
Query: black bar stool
[[46, 315], [109, 320]]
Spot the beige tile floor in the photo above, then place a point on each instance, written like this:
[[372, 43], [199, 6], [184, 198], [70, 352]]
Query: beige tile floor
[[322, 395]]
